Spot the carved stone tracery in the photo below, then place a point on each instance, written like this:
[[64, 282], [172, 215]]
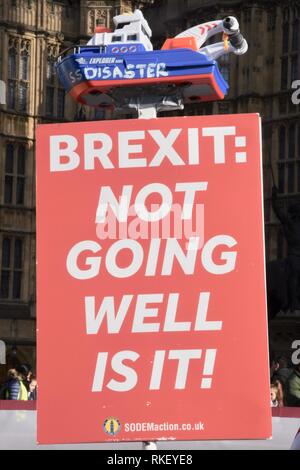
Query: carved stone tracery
[[97, 17]]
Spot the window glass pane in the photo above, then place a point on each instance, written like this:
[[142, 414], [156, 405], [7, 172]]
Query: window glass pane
[[21, 159], [50, 100], [4, 289], [225, 71], [284, 73], [295, 68], [292, 141], [18, 254], [208, 109], [99, 113], [24, 67], [20, 190], [50, 71], [291, 178], [22, 97], [61, 103], [8, 190], [17, 285], [298, 177], [9, 160], [280, 245], [296, 37], [285, 38], [12, 70], [281, 178], [282, 105], [6, 253], [282, 135], [11, 95], [267, 207], [100, 22]]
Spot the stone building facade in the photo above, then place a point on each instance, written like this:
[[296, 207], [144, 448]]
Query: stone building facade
[[32, 32]]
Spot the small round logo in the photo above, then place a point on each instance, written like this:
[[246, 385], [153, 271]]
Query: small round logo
[[112, 426]]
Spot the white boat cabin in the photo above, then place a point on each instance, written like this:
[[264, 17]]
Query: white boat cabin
[[131, 29]]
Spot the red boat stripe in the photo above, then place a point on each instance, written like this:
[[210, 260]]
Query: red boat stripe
[[106, 85]]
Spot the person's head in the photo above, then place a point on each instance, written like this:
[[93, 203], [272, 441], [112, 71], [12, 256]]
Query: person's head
[[274, 392], [12, 374], [277, 393], [22, 371], [281, 362], [273, 366], [33, 383]]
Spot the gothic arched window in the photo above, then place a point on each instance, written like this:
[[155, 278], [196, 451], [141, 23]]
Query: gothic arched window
[[15, 174], [12, 63], [18, 74], [11, 268], [55, 94]]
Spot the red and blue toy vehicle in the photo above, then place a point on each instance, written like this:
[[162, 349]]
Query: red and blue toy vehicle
[[120, 68]]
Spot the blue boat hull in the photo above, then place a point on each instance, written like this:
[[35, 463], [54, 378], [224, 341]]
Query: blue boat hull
[[90, 72]]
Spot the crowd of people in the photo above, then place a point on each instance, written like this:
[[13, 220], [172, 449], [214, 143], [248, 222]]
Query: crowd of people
[[285, 383], [21, 384]]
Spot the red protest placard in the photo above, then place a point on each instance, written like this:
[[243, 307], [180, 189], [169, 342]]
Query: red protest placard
[[151, 284]]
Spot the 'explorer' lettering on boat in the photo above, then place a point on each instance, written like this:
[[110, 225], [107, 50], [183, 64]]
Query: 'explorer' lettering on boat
[[103, 60]]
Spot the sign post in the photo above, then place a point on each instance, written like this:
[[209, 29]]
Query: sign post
[[152, 317]]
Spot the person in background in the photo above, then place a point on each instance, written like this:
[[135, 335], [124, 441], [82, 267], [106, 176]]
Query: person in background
[[29, 374], [274, 402], [280, 369], [16, 386], [276, 394], [11, 375], [32, 393], [292, 388]]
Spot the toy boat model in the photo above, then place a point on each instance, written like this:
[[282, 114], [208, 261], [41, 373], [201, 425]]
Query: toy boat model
[[121, 69]]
